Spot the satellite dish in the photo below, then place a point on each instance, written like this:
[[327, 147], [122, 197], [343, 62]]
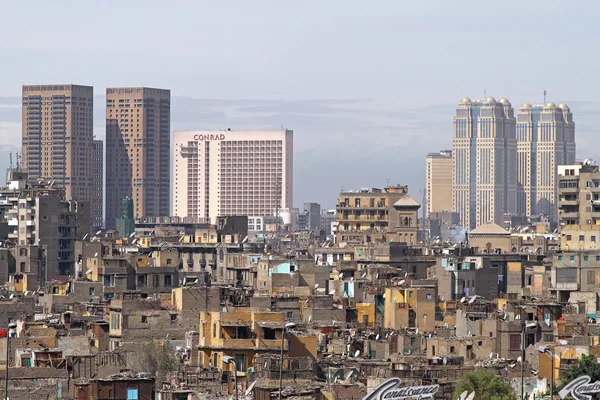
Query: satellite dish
[[310, 318], [384, 295], [316, 285], [519, 359], [469, 397], [96, 255], [99, 232], [356, 353], [462, 300], [402, 282], [472, 300], [132, 233], [11, 296], [347, 376], [332, 292], [491, 355], [377, 337], [417, 331], [445, 360], [306, 302], [89, 271], [341, 275], [364, 275]]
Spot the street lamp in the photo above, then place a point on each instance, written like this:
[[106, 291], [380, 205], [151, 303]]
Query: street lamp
[[12, 325], [546, 349], [231, 360], [523, 329], [287, 325]]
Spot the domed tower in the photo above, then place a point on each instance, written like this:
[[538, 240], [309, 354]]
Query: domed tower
[[484, 158]]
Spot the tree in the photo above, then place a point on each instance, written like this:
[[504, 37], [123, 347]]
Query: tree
[[486, 385], [587, 365]]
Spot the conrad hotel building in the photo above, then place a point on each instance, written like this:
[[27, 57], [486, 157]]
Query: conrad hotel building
[[219, 173]]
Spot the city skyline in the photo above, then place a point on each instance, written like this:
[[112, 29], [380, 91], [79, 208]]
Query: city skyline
[[324, 184]]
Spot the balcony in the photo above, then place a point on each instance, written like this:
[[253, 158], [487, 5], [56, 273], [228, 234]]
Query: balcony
[[568, 190], [568, 215], [567, 286], [238, 343], [568, 202]]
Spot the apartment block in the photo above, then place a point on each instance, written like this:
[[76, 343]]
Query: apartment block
[[438, 182], [138, 143], [58, 141], [35, 213], [369, 215], [232, 173]]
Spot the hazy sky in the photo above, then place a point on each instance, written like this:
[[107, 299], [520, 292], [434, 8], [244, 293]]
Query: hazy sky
[[368, 87]]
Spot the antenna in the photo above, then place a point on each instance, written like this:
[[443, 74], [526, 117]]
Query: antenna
[[545, 93], [484, 94]]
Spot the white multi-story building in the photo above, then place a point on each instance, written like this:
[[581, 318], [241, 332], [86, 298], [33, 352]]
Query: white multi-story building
[[218, 173]]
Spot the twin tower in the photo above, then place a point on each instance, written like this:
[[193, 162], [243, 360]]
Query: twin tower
[[504, 164]]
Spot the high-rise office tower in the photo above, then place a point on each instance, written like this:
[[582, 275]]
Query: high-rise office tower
[[545, 140], [484, 150], [97, 182], [438, 182], [58, 141], [138, 143], [232, 173]]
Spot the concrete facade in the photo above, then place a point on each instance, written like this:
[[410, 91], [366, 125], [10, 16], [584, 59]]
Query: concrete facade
[[58, 142], [217, 173], [138, 157]]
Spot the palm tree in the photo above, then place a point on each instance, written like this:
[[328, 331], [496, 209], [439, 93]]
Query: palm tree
[[486, 386]]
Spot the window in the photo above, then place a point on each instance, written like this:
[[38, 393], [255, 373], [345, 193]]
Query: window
[[115, 321], [215, 331], [168, 261], [92, 291], [571, 258], [132, 394], [240, 362], [452, 349], [515, 341], [144, 319], [173, 317], [410, 294], [168, 280], [428, 296], [591, 277], [23, 252], [585, 258], [480, 343], [559, 258], [581, 238], [593, 239], [155, 280]]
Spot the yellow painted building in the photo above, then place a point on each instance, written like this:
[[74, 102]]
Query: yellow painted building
[[239, 333], [410, 307]]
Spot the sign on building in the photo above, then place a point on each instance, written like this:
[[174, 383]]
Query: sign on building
[[391, 390], [580, 388]]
